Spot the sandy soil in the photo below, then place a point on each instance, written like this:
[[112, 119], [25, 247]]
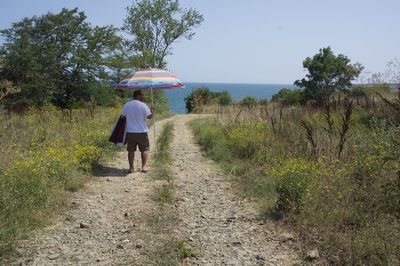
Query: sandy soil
[[107, 222]]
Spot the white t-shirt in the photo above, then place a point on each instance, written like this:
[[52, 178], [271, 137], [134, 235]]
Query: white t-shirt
[[136, 113]]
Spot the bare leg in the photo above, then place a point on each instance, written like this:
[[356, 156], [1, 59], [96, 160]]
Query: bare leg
[[145, 158], [131, 158]]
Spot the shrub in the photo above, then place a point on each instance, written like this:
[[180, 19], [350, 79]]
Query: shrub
[[248, 102], [362, 90], [263, 102], [291, 183], [86, 156], [289, 97], [198, 97], [224, 98], [245, 140], [204, 96]]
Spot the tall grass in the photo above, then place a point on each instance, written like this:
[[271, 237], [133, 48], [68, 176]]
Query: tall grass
[[334, 174], [43, 154]]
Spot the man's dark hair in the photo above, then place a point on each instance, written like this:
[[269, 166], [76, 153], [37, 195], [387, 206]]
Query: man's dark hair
[[137, 94]]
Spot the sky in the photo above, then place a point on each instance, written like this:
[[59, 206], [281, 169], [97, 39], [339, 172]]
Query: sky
[[255, 41]]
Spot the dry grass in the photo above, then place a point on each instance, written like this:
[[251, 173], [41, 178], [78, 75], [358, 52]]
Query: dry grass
[[42, 155], [333, 173]]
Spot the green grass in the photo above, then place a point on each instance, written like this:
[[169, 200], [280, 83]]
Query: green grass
[[172, 252], [163, 142], [164, 194], [162, 159]]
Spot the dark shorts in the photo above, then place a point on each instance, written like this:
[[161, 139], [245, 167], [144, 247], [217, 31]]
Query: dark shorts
[[137, 139]]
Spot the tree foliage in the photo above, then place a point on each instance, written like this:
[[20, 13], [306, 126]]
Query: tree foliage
[[327, 73], [155, 25], [60, 58], [54, 57]]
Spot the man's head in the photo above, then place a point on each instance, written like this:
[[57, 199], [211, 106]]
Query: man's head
[[138, 95]]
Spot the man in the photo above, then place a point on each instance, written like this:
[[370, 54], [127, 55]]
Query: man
[[136, 113]]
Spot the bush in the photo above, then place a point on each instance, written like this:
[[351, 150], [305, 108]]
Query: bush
[[198, 97], [204, 96], [224, 98], [263, 102], [291, 183], [246, 140], [249, 102], [289, 97], [362, 90]]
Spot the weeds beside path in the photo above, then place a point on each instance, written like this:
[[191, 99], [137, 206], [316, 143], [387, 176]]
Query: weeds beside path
[[104, 223], [116, 219], [222, 227]]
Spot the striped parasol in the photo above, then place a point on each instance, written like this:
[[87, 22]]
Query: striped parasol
[[149, 80]]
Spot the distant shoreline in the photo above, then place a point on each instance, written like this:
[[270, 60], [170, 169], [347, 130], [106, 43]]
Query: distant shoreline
[[237, 91], [236, 83]]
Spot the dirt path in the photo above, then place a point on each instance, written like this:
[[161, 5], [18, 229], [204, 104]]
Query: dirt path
[[227, 230], [109, 222]]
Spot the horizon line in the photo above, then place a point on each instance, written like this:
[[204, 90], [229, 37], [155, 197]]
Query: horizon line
[[246, 83]]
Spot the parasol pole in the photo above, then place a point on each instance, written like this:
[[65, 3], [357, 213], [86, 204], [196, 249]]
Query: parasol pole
[[154, 120]]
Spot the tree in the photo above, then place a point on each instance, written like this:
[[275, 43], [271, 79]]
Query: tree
[[120, 62], [55, 57], [327, 73], [155, 25]]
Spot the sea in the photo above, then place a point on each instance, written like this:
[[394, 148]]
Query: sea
[[237, 91]]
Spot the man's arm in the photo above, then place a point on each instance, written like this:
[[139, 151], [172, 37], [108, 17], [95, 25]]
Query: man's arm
[[150, 113]]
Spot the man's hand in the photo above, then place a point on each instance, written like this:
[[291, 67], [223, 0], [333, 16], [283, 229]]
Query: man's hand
[[152, 108]]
